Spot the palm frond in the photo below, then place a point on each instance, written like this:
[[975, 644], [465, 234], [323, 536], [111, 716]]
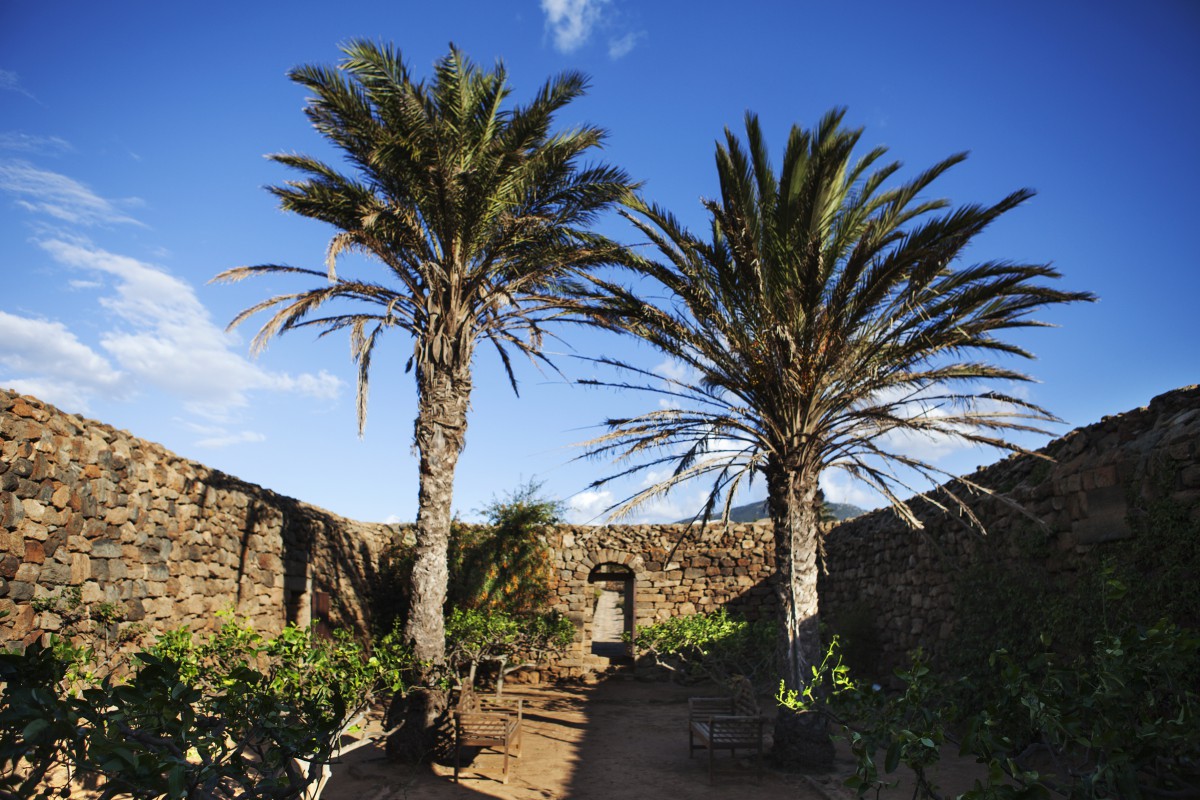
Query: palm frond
[[477, 208], [827, 314]]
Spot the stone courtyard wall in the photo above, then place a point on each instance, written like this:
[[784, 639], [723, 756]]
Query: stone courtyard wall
[[901, 584], [168, 540], [173, 542]]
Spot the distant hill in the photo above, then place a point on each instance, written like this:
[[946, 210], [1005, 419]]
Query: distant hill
[[757, 510]]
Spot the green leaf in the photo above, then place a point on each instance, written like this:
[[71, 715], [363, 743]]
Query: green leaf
[[34, 729], [893, 758], [177, 782]]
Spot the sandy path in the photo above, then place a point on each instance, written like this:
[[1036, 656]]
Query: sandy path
[[619, 739], [622, 739]]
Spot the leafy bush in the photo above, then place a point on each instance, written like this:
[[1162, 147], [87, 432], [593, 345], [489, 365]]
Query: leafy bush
[[505, 564], [1121, 722], [714, 646], [1009, 597], [230, 716]]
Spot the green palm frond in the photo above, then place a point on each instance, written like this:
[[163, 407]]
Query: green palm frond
[[829, 312], [477, 210]]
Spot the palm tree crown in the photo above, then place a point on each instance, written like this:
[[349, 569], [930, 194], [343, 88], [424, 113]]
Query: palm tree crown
[[825, 315], [477, 211]]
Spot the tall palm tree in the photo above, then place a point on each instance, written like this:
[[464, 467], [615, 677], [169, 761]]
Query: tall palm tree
[[826, 317], [477, 214]]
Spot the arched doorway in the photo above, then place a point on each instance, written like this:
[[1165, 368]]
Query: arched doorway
[[613, 613]]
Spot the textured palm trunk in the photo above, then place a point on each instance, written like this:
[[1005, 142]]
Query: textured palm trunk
[[443, 399], [800, 739]]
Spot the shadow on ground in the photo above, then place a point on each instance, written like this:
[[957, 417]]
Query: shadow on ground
[[620, 739]]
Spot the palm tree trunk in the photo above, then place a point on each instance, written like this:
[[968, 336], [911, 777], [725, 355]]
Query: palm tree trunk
[[443, 397], [800, 739]]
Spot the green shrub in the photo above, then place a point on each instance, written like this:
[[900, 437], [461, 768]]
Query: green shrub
[[1123, 721], [511, 642], [505, 564], [230, 715], [712, 646]]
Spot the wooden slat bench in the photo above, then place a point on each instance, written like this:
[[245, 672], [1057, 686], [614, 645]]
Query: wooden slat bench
[[726, 723], [481, 721]]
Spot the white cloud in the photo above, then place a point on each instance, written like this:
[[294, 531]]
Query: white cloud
[[215, 437], [571, 21], [163, 338], [47, 360], [589, 506], [19, 141], [584, 507], [841, 488], [69, 396], [673, 370], [623, 45], [44, 192]]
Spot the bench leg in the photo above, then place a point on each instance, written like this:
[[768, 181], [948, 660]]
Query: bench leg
[[506, 762]]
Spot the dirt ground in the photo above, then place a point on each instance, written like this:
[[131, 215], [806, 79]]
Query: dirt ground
[[621, 738]]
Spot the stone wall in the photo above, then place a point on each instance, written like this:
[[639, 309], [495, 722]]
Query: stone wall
[[673, 571], [170, 541], [898, 586], [174, 542]]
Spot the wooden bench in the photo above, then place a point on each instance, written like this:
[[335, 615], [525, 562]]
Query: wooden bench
[[726, 723], [481, 721]]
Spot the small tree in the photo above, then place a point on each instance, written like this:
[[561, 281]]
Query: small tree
[[510, 641]]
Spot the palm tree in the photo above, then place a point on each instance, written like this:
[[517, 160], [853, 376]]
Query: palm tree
[[826, 316], [478, 215]]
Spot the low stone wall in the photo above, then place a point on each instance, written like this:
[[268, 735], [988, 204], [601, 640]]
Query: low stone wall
[[902, 584], [170, 541]]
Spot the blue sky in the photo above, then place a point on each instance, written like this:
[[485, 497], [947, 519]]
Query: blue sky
[[132, 137]]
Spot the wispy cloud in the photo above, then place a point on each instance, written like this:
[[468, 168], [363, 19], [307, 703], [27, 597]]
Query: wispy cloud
[[164, 337], [570, 22], [11, 82], [841, 488], [621, 46], [18, 141], [216, 437], [43, 192]]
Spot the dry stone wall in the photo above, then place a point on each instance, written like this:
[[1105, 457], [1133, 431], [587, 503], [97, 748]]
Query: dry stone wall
[[674, 571], [173, 542], [169, 541], [898, 587]]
